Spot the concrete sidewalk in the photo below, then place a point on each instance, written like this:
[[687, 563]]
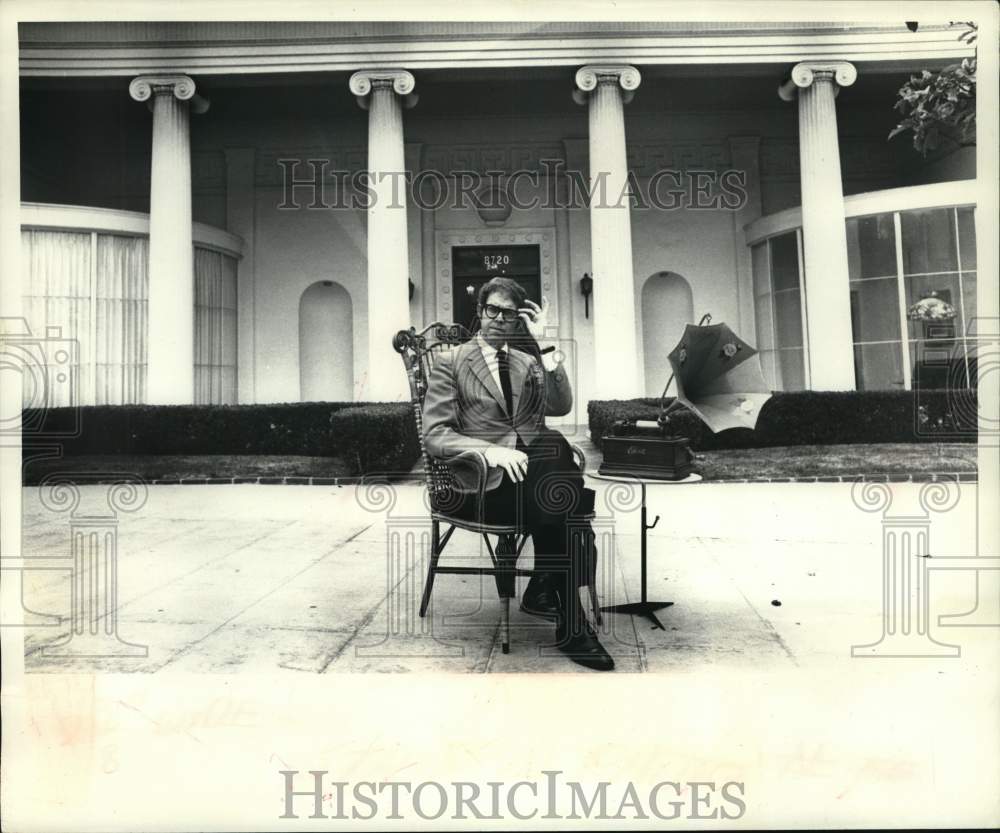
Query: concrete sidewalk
[[322, 579]]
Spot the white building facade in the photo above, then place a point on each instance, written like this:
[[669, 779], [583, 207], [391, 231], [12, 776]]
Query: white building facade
[[193, 219]]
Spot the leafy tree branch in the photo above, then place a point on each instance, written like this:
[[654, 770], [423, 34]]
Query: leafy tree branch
[[940, 106]]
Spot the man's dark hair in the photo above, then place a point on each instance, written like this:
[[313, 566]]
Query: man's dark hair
[[508, 286]]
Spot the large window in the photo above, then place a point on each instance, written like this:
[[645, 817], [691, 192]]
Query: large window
[[939, 271], [778, 298], [88, 292], [86, 295], [871, 260], [912, 279], [214, 328]]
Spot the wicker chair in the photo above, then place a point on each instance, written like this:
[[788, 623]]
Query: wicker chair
[[419, 351]]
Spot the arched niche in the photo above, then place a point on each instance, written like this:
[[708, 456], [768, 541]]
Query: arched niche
[[326, 344], [667, 307]]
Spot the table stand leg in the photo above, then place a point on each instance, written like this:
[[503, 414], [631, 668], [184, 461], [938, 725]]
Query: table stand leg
[[644, 608]]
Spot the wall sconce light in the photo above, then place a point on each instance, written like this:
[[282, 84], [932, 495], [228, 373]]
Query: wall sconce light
[[412, 288], [586, 289]]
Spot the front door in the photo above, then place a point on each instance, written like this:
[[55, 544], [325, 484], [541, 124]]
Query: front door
[[472, 266]]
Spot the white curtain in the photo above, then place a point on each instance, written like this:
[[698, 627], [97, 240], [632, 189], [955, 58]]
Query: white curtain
[[57, 356], [95, 316], [121, 303], [214, 328], [86, 302]]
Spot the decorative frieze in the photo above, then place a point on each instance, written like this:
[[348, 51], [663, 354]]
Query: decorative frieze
[[480, 158], [860, 158], [269, 172], [643, 159], [647, 159]]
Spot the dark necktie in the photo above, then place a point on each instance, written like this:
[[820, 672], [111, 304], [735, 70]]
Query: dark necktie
[[503, 363]]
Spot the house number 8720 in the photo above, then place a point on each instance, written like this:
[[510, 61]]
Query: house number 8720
[[494, 262]]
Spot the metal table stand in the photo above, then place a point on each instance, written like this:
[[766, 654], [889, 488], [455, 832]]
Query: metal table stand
[[644, 607]]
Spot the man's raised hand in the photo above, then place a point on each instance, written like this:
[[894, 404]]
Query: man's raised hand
[[535, 317]]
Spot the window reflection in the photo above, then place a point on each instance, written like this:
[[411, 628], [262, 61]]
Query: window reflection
[[896, 345], [929, 241], [778, 308]]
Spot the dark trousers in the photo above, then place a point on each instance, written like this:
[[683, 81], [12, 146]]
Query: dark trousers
[[552, 504]]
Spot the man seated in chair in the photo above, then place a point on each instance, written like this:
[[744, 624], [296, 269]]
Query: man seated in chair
[[492, 394]]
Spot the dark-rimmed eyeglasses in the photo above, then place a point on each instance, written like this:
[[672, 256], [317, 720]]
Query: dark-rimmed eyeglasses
[[506, 313]]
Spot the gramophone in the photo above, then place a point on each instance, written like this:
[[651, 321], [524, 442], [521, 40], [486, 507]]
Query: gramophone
[[719, 379]]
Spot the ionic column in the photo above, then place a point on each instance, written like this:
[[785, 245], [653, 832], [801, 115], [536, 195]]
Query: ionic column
[[379, 92], [606, 89], [824, 239], [170, 350]]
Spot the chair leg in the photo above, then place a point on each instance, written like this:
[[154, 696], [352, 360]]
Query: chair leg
[[592, 581], [432, 567], [505, 624], [506, 559]]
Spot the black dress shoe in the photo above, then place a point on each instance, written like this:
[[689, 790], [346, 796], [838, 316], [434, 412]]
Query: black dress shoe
[[584, 648], [539, 598]]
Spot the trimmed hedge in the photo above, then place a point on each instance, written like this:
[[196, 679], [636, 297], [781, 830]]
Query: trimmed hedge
[[817, 418], [377, 438], [370, 437]]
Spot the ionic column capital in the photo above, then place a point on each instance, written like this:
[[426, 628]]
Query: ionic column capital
[[182, 87], [804, 74], [623, 75], [401, 82]]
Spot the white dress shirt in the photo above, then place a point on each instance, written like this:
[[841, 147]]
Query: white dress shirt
[[490, 354]]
